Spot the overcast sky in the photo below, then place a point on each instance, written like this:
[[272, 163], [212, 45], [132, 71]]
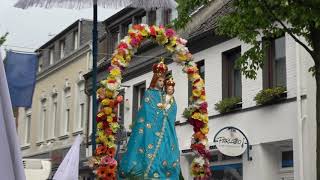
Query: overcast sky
[[33, 27]]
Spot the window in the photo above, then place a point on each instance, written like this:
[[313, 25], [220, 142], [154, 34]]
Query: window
[[125, 29], [116, 37], [81, 113], [67, 118], [201, 67], [274, 70], [27, 127], [75, 39], [138, 93], [159, 15], [62, 48], [121, 108], [54, 115], [226, 168], [66, 112], [45, 125], [227, 171], [81, 106], [287, 159], [152, 16], [167, 16], [51, 60], [231, 76], [141, 19], [43, 121], [173, 14], [40, 65]]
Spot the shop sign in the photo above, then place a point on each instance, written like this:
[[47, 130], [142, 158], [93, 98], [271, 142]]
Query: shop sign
[[231, 141]]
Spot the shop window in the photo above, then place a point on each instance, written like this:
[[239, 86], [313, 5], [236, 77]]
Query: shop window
[[227, 172], [287, 159]]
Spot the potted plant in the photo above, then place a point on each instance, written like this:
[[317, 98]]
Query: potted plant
[[270, 95], [228, 104]]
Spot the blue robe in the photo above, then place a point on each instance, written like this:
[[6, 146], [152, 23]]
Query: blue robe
[[152, 150]]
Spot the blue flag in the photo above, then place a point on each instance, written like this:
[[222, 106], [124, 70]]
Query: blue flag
[[21, 71]]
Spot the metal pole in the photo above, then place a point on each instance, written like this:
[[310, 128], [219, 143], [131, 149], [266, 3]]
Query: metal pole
[[94, 74]]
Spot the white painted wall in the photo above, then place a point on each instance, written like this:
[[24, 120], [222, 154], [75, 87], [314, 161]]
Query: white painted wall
[[264, 125]]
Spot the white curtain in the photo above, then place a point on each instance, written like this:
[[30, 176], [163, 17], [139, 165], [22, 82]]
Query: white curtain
[[11, 167]]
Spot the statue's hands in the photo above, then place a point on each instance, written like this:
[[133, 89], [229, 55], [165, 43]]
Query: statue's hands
[[161, 106]]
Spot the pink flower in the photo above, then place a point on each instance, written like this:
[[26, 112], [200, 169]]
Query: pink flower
[[170, 33], [134, 42], [108, 160], [182, 41], [204, 106]]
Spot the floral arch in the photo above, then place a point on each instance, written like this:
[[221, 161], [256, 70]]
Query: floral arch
[[104, 161]]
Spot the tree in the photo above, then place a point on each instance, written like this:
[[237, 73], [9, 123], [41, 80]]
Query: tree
[[3, 38], [253, 19]]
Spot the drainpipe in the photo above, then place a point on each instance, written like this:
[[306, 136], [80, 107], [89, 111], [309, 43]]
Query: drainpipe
[[299, 113], [88, 119]]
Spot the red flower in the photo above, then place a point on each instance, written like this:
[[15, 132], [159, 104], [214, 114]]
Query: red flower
[[108, 131], [196, 81], [153, 31], [132, 34], [111, 103], [119, 99], [101, 150], [200, 148], [203, 93], [121, 51], [139, 37], [115, 119], [123, 45], [190, 71], [197, 125], [100, 118], [111, 152], [102, 172], [138, 27], [111, 81]]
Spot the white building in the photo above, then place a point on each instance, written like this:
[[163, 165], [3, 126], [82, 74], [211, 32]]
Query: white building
[[282, 134]]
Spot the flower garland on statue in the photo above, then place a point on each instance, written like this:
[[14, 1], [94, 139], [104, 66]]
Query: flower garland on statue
[[107, 121]]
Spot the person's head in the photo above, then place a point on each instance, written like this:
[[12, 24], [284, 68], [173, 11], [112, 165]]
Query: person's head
[[170, 90], [157, 82], [159, 71], [169, 84]]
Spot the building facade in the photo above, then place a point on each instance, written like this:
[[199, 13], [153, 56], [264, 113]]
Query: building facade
[[281, 134], [60, 106]]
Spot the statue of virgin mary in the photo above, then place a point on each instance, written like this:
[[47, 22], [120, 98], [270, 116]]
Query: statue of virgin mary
[[153, 151]]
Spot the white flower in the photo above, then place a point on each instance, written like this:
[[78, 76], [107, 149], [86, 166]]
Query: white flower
[[204, 142], [183, 41], [199, 160]]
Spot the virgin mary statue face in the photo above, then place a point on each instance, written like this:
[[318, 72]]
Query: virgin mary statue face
[[160, 83]]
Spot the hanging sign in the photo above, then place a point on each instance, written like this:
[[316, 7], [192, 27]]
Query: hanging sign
[[231, 141]]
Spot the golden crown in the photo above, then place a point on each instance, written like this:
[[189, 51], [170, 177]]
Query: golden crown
[[160, 69]]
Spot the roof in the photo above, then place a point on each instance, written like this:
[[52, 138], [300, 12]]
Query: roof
[[211, 22], [118, 15], [63, 32]]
